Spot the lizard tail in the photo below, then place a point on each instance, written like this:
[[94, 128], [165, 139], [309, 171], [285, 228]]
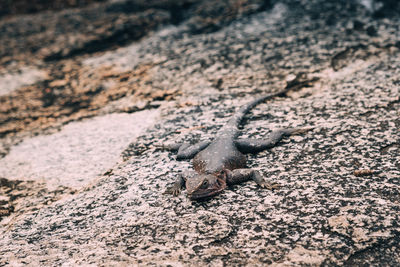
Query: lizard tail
[[239, 115]]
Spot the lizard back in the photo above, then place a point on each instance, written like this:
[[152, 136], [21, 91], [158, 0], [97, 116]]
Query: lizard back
[[222, 153]]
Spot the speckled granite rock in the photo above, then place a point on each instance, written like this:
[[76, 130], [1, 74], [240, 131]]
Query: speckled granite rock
[[339, 201]]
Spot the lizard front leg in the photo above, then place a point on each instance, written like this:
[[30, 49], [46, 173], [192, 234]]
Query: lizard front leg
[[176, 188], [180, 183], [241, 175], [187, 151]]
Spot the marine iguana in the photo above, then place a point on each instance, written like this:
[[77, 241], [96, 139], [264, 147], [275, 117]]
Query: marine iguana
[[222, 162]]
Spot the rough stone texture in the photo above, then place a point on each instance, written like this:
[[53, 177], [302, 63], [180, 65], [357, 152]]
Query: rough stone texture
[[339, 201], [33, 6], [78, 153], [12, 80]]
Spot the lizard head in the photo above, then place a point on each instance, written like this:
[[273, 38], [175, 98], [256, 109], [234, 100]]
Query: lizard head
[[205, 185]]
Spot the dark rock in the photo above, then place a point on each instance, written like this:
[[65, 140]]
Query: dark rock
[[371, 31]]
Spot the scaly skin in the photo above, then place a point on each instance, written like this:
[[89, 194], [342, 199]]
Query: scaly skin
[[221, 162]]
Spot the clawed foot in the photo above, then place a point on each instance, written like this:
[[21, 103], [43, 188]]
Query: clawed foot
[[294, 131], [270, 186], [173, 190]]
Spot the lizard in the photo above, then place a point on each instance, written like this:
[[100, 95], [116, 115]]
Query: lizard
[[222, 162]]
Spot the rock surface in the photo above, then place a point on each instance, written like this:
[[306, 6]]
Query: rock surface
[[106, 97], [78, 153]]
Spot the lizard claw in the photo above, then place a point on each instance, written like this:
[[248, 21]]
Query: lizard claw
[[270, 186], [293, 131], [173, 190]]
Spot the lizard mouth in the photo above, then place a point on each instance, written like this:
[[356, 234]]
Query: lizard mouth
[[205, 193]]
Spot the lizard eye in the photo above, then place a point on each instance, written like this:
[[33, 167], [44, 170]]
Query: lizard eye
[[205, 184]]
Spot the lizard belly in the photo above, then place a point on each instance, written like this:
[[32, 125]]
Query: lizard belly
[[217, 157]]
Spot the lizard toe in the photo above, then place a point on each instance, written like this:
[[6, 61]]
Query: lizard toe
[[270, 186], [172, 191], [167, 191], [176, 192], [274, 186]]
